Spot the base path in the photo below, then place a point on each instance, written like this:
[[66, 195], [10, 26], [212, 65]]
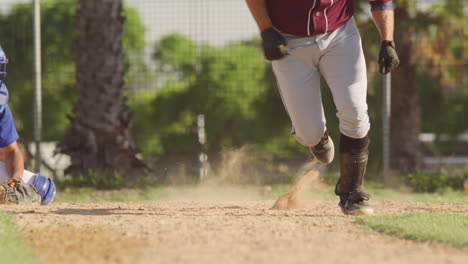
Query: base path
[[221, 232]]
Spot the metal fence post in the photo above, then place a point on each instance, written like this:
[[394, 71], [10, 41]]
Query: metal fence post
[[37, 84], [386, 99], [203, 157]]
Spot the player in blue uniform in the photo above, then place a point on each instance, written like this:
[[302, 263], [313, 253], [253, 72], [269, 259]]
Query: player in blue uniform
[[12, 171]]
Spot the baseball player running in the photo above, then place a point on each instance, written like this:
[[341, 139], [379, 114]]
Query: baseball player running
[[306, 39]]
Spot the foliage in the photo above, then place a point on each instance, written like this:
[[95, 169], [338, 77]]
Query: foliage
[[440, 39], [13, 249], [228, 85], [73, 194], [442, 227], [57, 40], [142, 126], [432, 182], [58, 69], [104, 181], [233, 86], [133, 43], [437, 40], [236, 89], [444, 113], [438, 36]]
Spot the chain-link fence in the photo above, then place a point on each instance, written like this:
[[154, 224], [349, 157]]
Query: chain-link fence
[[188, 60]]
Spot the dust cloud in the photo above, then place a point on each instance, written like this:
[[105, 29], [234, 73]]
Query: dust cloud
[[241, 174], [293, 198]]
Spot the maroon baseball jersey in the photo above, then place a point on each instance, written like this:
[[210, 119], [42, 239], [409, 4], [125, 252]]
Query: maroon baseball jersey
[[311, 17]]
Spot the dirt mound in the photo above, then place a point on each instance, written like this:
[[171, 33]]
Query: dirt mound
[[220, 232]]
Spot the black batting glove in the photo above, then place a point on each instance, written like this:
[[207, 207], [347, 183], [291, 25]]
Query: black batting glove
[[388, 58], [273, 44]]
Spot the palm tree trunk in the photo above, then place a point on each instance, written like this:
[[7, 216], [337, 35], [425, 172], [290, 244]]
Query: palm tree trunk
[[406, 112], [100, 138]]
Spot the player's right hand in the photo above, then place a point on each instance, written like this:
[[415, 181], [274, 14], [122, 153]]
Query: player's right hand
[[388, 57], [272, 41]]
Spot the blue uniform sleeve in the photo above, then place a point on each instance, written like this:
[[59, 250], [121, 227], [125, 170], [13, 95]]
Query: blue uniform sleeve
[[8, 133], [381, 5]]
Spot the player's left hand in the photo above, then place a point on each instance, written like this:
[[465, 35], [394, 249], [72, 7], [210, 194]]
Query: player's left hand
[[388, 57], [13, 182]]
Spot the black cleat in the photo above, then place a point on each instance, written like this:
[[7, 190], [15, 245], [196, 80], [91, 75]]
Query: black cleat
[[324, 151], [355, 203]]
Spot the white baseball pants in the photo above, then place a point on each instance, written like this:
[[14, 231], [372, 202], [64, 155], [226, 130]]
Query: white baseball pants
[[338, 57]]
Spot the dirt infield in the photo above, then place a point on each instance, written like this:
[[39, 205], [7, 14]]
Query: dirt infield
[[220, 232]]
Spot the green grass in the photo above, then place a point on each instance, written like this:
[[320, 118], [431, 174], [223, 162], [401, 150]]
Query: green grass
[[12, 249], [449, 228], [448, 195], [378, 193]]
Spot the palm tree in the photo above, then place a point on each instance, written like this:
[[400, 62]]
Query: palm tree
[[421, 37], [425, 42], [100, 138], [406, 110]]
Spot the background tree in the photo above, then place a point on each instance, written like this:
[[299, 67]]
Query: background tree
[[429, 43], [100, 138], [406, 110], [232, 86], [58, 36], [58, 67]]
